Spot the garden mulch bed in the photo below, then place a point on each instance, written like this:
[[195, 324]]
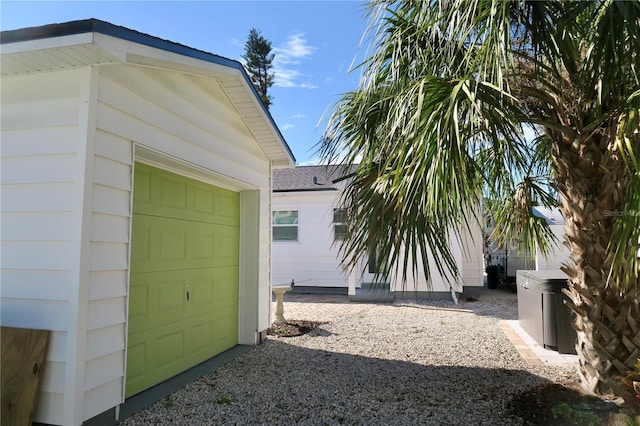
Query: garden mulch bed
[[293, 328]]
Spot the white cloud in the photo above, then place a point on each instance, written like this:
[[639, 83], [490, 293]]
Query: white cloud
[[298, 116], [288, 56], [286, 127], [294, 49]]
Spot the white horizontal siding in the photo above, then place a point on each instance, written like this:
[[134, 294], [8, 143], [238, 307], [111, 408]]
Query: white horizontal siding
[[35, 313], [559, 254], [40, 87], [110, 228], [102, 398], [43, 284], [471, 263], [183, 117], [36, 226], [104, 369], [51, 168], [111, 201], [39, 255], [50, 408], [108, 273], [107, 256], [106, 312], [36, 197], [313, 260], [105, 341], [108, 284], [112, 173], [41, 114], [264, 256], [214, 142], [57, 349], [52, 380], [38, 141], [40, 184]]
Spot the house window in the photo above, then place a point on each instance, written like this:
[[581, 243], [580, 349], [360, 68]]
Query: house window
[[339, 224], [285, 225]]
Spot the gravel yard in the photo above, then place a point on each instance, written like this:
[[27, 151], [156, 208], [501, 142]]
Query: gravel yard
[[406, 363]]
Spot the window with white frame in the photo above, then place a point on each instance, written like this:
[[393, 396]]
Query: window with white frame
[[339, 224], [285, 225]]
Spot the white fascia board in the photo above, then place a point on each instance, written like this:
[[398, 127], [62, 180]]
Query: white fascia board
[[47, 43]]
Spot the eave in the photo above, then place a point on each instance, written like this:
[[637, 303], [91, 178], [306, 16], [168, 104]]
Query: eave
[[97, 43]]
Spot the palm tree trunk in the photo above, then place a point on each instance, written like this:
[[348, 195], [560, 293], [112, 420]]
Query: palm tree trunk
[[591, 179]]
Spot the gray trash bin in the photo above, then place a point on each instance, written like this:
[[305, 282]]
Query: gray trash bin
[[542, 312]]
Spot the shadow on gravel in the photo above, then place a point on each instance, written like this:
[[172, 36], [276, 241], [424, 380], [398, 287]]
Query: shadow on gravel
[[488, 303], [279, 383]]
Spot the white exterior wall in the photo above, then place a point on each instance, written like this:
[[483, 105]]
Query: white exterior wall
[[559, 254], [69, 140], [313, 260], [43, 165], [467, 252], [472, 255], [189, 127]]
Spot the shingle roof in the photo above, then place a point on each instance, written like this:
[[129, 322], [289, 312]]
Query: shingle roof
[[309, 178]]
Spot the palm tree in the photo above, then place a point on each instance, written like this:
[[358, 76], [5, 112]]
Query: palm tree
[[447, 91]]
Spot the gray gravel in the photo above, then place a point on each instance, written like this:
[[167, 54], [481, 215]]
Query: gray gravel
[[407, 363]]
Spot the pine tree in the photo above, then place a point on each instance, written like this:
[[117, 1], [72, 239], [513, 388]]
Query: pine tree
[[258, 59]]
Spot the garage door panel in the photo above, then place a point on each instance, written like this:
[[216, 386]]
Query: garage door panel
[[212, 290], [172, 245], [157, 298], [226, 294], [226, 246], [170, 193], [203, 199], [140, 244], [163, 194], [201, 337], [184, 274], [225, 329], [136, 361], [227, 208], [158, 355], [166, 351], [170, 348], [165, 244]]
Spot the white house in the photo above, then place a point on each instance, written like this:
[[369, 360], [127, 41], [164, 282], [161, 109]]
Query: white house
[[136, 198], [560, 253], [307, 221]]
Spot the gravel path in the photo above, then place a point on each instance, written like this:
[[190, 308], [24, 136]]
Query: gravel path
[[407, 363]]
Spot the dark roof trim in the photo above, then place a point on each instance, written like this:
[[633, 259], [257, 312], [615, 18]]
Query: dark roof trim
[[106, 28]]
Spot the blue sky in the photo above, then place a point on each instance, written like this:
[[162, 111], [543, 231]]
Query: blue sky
[[315, 44]]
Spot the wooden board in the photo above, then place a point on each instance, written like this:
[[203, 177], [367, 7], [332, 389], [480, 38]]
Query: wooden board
[[23, 354]]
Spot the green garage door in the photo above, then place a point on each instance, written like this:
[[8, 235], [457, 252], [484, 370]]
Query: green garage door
[[183, 300]]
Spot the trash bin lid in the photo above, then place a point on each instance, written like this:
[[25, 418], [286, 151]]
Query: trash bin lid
[[546, 281]]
